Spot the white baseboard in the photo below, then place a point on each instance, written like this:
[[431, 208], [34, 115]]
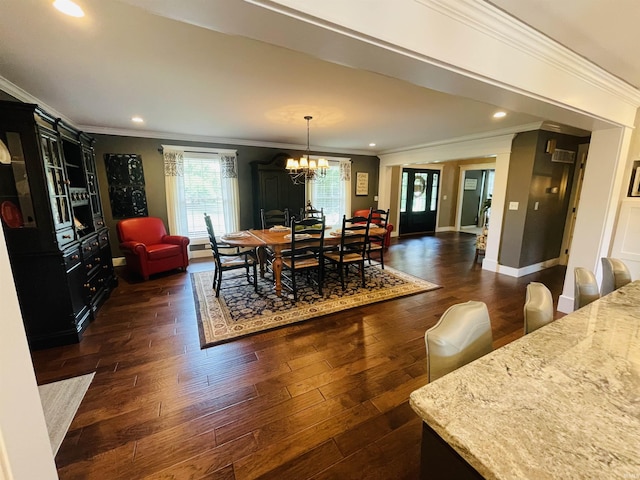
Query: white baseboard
[[119, 262], [445, 229], [565, 304], [494, 266], [200, 253]]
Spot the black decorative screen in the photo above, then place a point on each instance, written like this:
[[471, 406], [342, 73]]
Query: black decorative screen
[[126, 185]]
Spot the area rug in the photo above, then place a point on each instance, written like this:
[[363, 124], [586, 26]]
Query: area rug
[[240, 311], [60, 402]]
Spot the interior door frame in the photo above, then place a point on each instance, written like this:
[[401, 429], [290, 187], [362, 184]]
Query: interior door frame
[[420, 166], [463, 169]]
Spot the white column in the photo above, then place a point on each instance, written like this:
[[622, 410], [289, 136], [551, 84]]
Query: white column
[[598, 207], [25, 450], [490, 261]]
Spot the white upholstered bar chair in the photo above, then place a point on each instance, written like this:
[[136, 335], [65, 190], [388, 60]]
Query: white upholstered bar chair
[[462, 335], [615, 274], [538, 307], [585, 287]]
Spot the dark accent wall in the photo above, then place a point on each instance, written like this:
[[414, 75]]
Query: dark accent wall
[[533, 235], [153, 166]]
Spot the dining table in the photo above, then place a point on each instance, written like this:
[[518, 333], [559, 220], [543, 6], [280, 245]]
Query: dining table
[[278, 240], [560, 402]]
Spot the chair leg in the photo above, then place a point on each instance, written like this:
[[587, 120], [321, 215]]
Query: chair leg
[[295, 287], [255, 277], [218, 281]]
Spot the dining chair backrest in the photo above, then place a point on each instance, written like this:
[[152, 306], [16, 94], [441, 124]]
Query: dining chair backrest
[[585, 288], [307, 239], [311, 213], [615, 274], [538, 307], [379, 217], [271, 218], [462, 335], [355, 231], [212, 237]]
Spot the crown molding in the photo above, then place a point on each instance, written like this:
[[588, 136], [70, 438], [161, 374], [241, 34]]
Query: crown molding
[[469, 138], [24, 96], [217, 140], [494, 22]]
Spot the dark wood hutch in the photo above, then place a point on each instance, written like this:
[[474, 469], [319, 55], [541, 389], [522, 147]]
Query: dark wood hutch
[[53, 224], [273, 188]]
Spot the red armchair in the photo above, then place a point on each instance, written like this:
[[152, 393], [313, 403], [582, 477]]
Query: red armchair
[[147, 247], [365, 213]]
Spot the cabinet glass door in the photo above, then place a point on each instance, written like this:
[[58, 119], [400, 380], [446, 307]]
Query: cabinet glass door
[[56, 181], [92, 181]]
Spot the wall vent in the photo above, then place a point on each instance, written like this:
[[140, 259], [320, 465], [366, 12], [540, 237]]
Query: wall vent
[[563, 156]]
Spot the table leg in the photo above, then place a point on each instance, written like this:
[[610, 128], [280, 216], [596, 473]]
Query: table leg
[[277, 269]]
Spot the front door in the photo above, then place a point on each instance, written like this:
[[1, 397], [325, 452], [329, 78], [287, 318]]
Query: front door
[[419, 200]]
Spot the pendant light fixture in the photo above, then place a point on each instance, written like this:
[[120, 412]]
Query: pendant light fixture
[[306, 168]]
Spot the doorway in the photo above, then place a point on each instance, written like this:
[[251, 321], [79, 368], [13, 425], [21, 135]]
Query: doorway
[[419, 200], [476, 190]]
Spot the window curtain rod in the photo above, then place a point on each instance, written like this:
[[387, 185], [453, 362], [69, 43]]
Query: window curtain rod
[[214, 151]]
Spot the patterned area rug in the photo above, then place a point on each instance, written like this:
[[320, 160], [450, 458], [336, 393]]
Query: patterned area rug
[[240, 311]]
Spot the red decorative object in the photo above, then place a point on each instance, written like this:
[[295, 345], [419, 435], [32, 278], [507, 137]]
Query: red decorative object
[[11, 214]]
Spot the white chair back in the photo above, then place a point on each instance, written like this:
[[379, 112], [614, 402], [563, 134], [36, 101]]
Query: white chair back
[[538, 307], [462, 335]]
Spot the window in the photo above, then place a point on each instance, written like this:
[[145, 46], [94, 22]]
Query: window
[[331, 194], [203, 194], [198, 181]]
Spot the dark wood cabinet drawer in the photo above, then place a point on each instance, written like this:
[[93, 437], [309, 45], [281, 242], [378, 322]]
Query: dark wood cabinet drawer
[[103, 239], [72, 257], [65, 236]]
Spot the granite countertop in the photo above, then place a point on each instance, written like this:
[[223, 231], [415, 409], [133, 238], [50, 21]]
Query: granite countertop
[[561, 402]]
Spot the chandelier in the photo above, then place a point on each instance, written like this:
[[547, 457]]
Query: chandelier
[[306, 168]]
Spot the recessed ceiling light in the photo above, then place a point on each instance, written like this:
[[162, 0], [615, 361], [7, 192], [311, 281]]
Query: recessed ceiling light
[[499, 114], [372, 144], [137, 119], [69, 8]]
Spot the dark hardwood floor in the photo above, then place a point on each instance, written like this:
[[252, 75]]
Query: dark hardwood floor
[[322, 399]]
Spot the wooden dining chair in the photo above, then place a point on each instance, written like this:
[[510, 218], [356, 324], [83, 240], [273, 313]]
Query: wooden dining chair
[[226, 258], [376, 243], [352, 249], [305, 255], [271, 218], [311, 213]]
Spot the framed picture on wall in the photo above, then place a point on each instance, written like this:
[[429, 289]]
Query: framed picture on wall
[[362, 183]]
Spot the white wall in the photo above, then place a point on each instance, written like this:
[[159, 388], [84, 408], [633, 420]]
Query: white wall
[[25, 450]]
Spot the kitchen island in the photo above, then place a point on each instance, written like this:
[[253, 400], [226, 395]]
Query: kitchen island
[[560, 403]]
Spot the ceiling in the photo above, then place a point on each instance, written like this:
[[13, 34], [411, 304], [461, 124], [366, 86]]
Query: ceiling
[[195, 70]]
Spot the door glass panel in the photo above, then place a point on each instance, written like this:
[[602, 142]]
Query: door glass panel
[[403, 192], [420, 192], [434, 193]]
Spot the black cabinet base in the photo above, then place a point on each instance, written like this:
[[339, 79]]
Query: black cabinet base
[[439, 461], [59, 338]]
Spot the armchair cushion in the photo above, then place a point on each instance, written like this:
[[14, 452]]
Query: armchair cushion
[[147, 247]]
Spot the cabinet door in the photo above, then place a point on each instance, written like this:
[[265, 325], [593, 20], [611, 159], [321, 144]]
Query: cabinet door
[[56, 180], [92, 183]]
